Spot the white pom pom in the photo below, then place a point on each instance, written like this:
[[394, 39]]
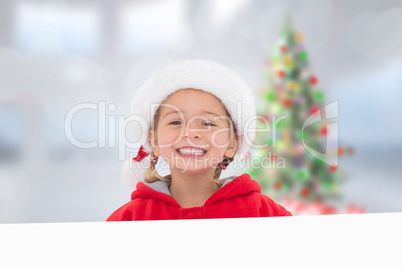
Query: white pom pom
[[133, 172]]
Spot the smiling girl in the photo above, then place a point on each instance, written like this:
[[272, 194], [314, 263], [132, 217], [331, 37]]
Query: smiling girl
[[196, 118]]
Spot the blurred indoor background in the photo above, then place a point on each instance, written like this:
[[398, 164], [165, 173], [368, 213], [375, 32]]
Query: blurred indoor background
[[55, 54]]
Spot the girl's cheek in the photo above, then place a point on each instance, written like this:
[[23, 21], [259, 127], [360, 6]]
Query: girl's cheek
[[220, 138], [169, 137]]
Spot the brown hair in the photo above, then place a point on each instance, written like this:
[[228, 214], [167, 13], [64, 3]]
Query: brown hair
[[151, 175]]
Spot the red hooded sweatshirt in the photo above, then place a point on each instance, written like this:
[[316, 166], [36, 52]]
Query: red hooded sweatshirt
[[238, 197]]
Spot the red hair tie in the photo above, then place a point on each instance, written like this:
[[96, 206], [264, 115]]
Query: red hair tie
[[222, 165], [140, 155]]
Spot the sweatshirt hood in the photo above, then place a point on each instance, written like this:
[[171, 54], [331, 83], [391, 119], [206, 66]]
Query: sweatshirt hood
[[232, 186]]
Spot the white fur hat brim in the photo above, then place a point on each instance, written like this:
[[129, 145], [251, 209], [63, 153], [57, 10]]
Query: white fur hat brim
[[205, 75]]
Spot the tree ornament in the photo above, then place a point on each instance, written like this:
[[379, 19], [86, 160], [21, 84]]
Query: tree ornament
[[299, 99], [353, 209], [327, 210], [269, 142], [302, 174], [313, 80], [292, 85], [287, 60], [277, 185], [299, 148], [314, 109], [281, 92], [254, 172], [305, 192], [284, 49], [319, 96], [281, 73], [298, 162], [302, 135], [264, 118], [279, 125], [323, 131], [341, 151], [287, 102], [332, 168], [303, 55], [298, 48], [270, 96], [299, 37]]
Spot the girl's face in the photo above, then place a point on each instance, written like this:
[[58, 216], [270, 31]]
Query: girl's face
[[193, 132]]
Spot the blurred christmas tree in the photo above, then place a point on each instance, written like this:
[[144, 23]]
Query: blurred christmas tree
[[286, 170]]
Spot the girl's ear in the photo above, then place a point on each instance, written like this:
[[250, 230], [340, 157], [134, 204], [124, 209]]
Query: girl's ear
[[154, 142], [231, 150]]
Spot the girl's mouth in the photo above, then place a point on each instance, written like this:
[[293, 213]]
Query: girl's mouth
[[186, 152]]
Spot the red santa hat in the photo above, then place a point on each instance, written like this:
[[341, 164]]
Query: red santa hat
[[209, 76]]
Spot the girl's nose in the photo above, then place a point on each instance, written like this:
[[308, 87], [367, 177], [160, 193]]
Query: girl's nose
[[192, 130], [191, 133]]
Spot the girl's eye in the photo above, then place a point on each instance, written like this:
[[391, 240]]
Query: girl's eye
[[179, 123], [211, 124]]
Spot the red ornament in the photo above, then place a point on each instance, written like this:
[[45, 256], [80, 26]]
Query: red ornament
[[281, 73], [277, 185], [328, 210], [332, 168], [305, 192], [313, 80], [323, 131], [352, 209], [264, 118], [274, 157], [313, 109], [287, 102], [284, 49]]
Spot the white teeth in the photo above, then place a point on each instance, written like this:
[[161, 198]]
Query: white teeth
[[192, 151]]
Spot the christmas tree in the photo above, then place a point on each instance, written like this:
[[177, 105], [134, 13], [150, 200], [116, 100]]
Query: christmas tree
[[286, 170]]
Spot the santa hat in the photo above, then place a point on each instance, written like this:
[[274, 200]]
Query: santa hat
[[205, 75]]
